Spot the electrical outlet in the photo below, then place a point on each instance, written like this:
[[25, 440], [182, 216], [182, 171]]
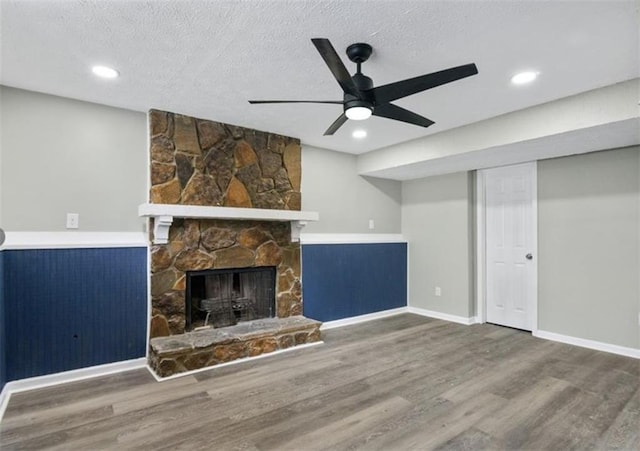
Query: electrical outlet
[[372, 224], [73, 220], [438, 291]]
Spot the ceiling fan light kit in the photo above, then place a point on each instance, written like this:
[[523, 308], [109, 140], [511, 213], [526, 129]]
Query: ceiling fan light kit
[[358, 113], [362, 100]]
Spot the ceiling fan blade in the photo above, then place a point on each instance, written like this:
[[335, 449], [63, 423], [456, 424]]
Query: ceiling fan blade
[[397, 113], [336, 102], [336, 65], [336, 125], [404, 88]]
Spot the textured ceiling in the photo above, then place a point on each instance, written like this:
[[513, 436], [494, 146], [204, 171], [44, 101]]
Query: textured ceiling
[[207, 58]]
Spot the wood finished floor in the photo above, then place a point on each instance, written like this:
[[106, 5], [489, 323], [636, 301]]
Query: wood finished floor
[[404, 382]]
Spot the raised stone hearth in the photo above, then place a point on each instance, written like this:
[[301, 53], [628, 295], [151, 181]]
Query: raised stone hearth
[[208, 347]]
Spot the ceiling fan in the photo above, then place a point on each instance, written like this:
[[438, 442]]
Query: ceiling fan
[[361, 99]]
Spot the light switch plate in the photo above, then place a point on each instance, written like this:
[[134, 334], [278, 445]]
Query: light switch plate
[[73, 220]]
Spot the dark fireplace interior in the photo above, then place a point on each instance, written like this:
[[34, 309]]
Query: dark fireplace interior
[[224, 297]]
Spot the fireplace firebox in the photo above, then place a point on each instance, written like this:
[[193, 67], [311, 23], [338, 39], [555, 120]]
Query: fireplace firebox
[[223, 297]]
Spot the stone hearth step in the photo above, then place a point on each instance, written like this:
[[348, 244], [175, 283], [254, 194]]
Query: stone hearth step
[[208, 347]]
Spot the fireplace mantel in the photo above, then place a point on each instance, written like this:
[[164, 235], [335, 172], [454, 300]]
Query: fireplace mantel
[[163, 215]]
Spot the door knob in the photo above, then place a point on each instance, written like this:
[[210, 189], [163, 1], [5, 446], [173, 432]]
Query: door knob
[[529, 257]]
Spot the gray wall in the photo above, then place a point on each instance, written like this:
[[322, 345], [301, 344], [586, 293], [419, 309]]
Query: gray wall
[[589, 246], [437, 221], [64, 156], [345, 200], [60, 156]]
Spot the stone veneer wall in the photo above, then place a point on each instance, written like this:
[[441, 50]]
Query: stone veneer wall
[[200, 162]]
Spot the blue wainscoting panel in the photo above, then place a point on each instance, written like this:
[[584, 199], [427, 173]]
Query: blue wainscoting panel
[[73, 308], [3, 366], [344, 280]]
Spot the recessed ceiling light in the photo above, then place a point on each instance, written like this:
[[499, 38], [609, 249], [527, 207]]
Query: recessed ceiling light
[[359, 134], [105, 72], [524, 77]]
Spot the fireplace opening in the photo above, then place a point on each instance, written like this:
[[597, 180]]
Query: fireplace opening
[[223, 297]]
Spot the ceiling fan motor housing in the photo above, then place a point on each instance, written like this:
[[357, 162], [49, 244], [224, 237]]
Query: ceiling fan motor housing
[[364, 85], [362, 82]]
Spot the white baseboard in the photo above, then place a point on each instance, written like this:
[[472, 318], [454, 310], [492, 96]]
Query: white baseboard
[[362, 318], [590, 344], [4, 400], [444, 316], [32, 383]]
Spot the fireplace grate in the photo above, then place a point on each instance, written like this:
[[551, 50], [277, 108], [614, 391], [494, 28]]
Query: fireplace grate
[[244, 309], [220, 311]]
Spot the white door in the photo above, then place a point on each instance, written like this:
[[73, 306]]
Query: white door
[[510, 228]]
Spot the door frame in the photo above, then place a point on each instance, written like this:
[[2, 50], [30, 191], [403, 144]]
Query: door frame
[[481, 248]]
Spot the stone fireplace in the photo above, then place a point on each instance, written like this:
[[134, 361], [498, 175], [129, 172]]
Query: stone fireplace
[[224, 200], [198, 245]]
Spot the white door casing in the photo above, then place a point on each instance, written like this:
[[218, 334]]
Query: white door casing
[[510, 242]]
